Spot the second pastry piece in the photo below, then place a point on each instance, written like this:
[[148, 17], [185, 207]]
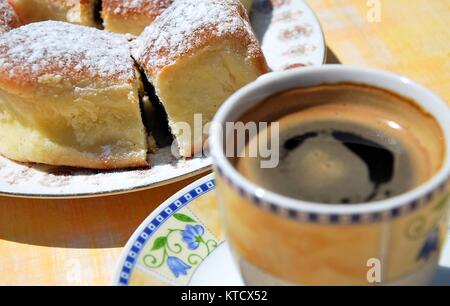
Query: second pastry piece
[[8, 17], [196, 54], [131, 16], [74, 11]]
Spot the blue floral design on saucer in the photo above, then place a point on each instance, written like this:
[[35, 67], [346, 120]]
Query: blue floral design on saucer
[[177, 266], [192, 235]]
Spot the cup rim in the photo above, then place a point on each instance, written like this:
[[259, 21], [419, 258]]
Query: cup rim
[[220, 161]]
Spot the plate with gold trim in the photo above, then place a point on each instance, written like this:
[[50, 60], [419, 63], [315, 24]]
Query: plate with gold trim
[[290, 35], [182, 243]]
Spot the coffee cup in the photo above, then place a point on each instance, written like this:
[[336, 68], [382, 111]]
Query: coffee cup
[[279, 238]]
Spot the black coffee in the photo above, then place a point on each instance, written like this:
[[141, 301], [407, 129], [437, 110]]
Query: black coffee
[[345, 144]]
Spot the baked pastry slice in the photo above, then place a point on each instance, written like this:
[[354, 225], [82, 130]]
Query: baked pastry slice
[[69, 95], [74, 11], [131, 16], [8, 17], [196, 54]]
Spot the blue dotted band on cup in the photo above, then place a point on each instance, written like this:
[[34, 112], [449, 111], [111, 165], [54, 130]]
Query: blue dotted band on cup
[[336, 219], [153, 226]]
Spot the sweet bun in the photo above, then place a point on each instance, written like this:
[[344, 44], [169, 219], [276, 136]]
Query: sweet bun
[[131, 16], [69, 95], [8, 17], [74, 11], [196, 54]]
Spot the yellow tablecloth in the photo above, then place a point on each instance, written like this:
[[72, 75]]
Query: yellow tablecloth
[[78, 241]]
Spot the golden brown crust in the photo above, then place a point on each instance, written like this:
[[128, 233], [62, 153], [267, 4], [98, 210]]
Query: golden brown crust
[[128, 8], [52, 52], [74, 11], [187, 26], [8, 17]]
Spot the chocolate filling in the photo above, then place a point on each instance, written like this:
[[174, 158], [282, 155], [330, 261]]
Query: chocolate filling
[[154, 116], [98, 13]]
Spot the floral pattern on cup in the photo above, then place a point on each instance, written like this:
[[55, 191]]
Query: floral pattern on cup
[[430, 246], [426, 229]]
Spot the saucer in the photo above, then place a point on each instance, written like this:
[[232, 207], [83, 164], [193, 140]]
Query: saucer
[[182, 243]]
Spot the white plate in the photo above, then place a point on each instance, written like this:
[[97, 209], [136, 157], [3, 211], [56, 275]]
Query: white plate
[[203, 266], [290, 34]]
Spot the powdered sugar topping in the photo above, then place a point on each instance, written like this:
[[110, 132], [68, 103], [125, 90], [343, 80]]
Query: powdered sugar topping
[[74, 52], [189, 24], [130, 7]]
